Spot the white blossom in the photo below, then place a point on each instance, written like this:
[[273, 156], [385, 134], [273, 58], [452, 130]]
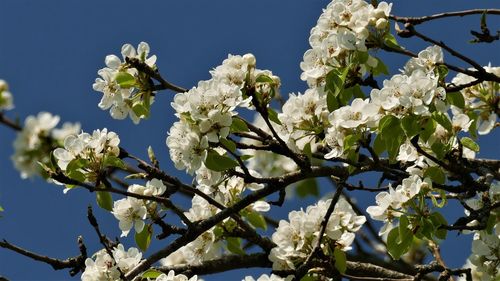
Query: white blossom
[[389, 204], [171, 276], [265, 277], [295, 238], [341, 31], [121, 100], [130, 212], [103, 267], [36, 140], [6, 99]]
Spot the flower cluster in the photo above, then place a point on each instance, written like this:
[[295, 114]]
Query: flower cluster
[[304, 118], [206, 111], [84, 156], [267, 163], [173, 277], [207, 246], [343, 34], [415, 92], [486, 254], [126, 91], [6, 100], [265, 277], [37, 139], [296, 238], [103, 267], [480, 100], [131, 212], [390, 204]]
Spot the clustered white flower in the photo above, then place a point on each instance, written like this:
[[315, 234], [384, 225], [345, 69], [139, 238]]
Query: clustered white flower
[[121, 99], [6, 100], [173, 277], [37, 139], [103, 267], [304, 117], [391, 204], [267, 163], [410, 93], [207, 246], [480, 99], [341, 33], [131, 211], [296, 238], [265, 277], [206, 111], [93, 149], [485, 257], [486, 254]]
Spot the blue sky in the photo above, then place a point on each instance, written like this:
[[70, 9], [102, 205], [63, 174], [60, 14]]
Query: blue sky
[[51, 51]]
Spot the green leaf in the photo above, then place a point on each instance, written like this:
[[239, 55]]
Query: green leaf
[[351, 141], [125, 80], [442, 71], [245, 157], [140, 110], [230, 145], [234, 245], [392, 134], [470, 144], [443, 120], [429, 129], [334, 82], [427, 228], [264, 79], [340, 260], [257, 220], [456, 99], [440, 149], [239, 125], [104, 200], [219, 163], [437, 204], [307, 150], [76, 175], [152, 156], [436, 174], [378, 145], [381, 68], [113, 161], [396, 245], [143, 239], [390, 41], [307, 187], [403, 226], [332, 102], [151, 274], [438, 220], [76, 164], [273, 116], [411, 126]]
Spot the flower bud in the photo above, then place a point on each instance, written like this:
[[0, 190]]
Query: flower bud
[[249, 59]]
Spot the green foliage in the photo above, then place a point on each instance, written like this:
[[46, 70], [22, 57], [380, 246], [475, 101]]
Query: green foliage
[[307, 187], [125, 80], [273, 116], [219, 163], [340, 260], [470, 144], [104, 200], [143, 239], [239, 125], [234, 245], [399, 239], [256, 219]]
